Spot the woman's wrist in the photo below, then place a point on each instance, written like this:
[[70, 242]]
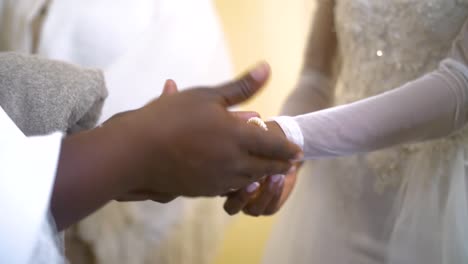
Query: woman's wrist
[[290, 129]]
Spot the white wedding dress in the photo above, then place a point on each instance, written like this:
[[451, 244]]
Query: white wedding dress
[[407, 204], [138, 44]]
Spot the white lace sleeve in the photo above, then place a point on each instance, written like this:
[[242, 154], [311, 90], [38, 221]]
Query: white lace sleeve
[[432, 106]]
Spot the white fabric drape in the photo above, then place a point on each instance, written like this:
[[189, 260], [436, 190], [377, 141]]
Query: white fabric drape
[[27, 174]]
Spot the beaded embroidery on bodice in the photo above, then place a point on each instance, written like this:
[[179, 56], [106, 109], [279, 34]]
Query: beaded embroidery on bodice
[[386, 43]]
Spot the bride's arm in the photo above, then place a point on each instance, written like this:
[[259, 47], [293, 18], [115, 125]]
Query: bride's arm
[[314, 90], [433, 106]]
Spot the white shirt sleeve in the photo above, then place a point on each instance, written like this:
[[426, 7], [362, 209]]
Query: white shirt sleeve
[[432, 106], [27, 172]]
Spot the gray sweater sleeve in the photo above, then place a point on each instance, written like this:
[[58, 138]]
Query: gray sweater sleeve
[[42, 96]]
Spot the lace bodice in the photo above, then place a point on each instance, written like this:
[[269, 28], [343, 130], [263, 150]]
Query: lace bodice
[[384, 44]]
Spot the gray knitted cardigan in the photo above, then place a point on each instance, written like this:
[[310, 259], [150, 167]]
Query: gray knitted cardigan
[[43, 96]]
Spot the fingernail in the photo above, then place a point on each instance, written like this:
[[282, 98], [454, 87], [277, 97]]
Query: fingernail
[[299, 157], [253, 187], [260, 73], [276, 178]]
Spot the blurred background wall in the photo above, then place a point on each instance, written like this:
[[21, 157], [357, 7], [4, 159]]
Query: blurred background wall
[[275, 31]]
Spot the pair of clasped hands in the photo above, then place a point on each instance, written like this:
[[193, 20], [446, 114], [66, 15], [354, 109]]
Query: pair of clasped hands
[[181, 144]]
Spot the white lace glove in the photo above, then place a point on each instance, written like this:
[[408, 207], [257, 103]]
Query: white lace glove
[[432, 106]]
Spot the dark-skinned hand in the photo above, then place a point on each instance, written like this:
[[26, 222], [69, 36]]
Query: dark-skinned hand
[[184, 144], [267, 196]]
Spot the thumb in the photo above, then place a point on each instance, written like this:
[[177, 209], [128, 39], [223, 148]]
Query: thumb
[[240, 90], [170, 87]]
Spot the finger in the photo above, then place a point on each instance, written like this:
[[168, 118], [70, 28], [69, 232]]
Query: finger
[[240, 90], [275, 202], [244, 115], [257, 207], [170, 87], [282, 196], [267, 145], [237, 201], [256, 168], [290, 181]]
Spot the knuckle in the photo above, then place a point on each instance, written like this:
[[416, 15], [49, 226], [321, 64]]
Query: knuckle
[[244, 87]]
